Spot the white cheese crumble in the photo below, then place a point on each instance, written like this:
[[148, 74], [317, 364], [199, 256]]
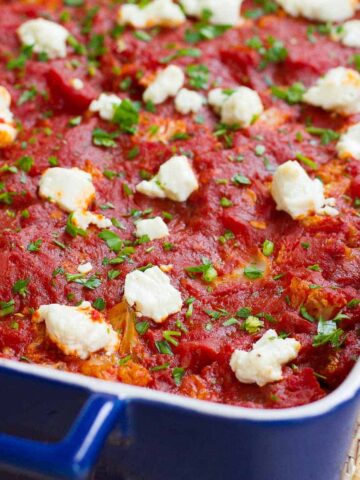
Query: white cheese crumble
[[154, 228], [167, 83], [225, 12], [188, 101], [105, 105], [338, 91], [240, 106], [77, 83], [349, 143], [78, 330], [175, 180], [152, 294], [297, 194], [162, 13], [8, 131], [85, 268], [350, 34], [320, 10], [217, 98], [45, 36], [70, 188], [263, 364], [83, 219], [5, 102]]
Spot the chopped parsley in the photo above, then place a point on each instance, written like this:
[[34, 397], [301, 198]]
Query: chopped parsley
[[207, 270], [126, 116], [164, 347], [101, 138], [113, 241], [7, 308], [182, 52], [326, 134], [268, 248], [99, 303], [253, 272], [328, 333], [252, 324], [142, 327], [198, 76], [291, 95], [178, 374], [306, 161], [20, 287], [34, 246]]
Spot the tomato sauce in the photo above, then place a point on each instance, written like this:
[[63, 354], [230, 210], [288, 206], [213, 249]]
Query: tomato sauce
[[313, 271]]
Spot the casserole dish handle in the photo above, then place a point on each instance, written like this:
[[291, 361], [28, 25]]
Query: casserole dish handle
[[76, 454]]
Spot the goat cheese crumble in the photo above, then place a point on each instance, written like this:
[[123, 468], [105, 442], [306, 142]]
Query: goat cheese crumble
[[151, 294], [263, 364]]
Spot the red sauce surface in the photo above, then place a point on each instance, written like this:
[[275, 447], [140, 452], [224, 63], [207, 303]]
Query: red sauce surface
[[197, 227]]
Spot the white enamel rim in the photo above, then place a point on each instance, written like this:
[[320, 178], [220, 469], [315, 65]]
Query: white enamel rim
[[345, 393]]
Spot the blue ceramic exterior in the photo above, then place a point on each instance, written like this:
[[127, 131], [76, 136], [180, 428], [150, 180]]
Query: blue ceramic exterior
[[142, 436]]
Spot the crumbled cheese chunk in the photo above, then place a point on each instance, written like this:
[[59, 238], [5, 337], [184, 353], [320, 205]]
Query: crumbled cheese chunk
[[350, 34], [45, 36], [154, 228], [83, 218], [297, 194], [217, 98], [85, 268], [105, 105], [151, 188], [188, 101], [152, 294], [338, 90], [162, 13], [8, 134], [70, 188], [77, 83], [226, 12], [263, 364], [78, 330], [167, 83], [8, 131], [320, 10], [5, 102], [175, 180], [349, 143], [241, 108]]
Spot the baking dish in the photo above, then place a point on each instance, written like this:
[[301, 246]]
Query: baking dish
[[145, 434]]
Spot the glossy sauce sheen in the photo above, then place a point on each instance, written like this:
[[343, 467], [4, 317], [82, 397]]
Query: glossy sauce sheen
[[205, 345]]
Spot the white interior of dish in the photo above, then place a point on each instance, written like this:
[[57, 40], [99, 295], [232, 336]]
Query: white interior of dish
[[346, 392]]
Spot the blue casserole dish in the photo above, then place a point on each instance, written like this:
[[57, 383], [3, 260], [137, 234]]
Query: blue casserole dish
[[144, 434]]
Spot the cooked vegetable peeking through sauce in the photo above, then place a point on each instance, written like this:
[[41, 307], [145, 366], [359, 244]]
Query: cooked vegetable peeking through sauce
[[180, 194]]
